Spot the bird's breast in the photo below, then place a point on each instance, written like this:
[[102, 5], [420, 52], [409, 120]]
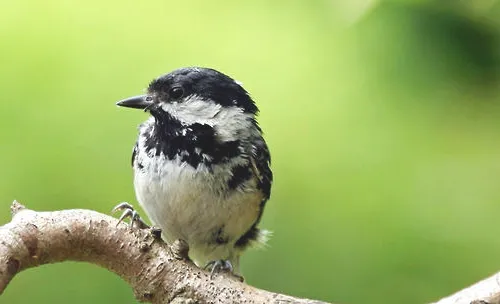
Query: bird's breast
[[196, 204]]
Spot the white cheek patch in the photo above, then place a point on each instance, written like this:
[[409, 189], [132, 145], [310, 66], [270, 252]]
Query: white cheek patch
[[228, 121], [192, 110]]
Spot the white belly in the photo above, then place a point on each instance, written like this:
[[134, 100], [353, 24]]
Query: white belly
[[192, 205]]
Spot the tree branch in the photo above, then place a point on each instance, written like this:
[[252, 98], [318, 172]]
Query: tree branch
[[486, 291], [156, 273]]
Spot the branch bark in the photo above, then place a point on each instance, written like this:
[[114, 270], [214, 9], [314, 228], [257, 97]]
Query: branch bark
[[486, 291], [156, 272]]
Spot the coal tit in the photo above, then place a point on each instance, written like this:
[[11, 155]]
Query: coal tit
[[201, 165]]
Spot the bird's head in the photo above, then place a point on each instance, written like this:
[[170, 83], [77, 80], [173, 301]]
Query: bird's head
[[197, 95]]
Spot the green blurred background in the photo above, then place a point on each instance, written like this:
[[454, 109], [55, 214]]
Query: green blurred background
[[383, 119]]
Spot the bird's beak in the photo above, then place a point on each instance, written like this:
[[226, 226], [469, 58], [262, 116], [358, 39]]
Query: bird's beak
[[136, 102]]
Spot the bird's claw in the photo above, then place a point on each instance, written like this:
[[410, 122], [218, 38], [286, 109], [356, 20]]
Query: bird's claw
[[129, 212], [218, 266]]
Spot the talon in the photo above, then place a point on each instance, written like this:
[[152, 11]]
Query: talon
[[219, 266], [125, 214], [121, 206], [129, 212]]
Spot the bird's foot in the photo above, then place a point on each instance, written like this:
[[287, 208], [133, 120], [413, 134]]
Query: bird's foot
[[129, 212], [219, 266]]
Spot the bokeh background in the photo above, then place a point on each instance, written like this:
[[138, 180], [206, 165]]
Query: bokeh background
[[383, 119]]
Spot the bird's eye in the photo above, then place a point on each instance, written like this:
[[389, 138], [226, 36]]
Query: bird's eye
[[176, 92]]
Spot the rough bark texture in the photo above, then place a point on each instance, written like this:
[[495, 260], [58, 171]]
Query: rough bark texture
[[486, 291], [157, 272]]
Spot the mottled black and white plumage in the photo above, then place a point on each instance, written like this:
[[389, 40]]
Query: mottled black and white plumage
[[201, 166]]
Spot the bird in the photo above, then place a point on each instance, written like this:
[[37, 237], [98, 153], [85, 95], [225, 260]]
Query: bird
[[201, 165]]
